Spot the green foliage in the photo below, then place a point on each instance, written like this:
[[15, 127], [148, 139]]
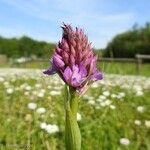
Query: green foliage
[[25, 47], [130, 43], [106, 67], [101, 126]]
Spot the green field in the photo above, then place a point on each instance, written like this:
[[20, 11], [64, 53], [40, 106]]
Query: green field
[[107, 67], [115, 108]]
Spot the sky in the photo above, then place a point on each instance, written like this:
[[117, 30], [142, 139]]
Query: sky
[[100, 19]]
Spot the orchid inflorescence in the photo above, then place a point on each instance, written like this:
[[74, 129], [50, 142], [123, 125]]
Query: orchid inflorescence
[[74, 60]]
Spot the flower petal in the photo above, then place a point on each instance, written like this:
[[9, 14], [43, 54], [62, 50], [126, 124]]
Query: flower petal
[[76, 82], [51, 70], [97, 76], [67, 74], [83, 71], [76, 76], [58, 62]]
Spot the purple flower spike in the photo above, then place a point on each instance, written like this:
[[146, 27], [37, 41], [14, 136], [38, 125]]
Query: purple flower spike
[[74, 60]]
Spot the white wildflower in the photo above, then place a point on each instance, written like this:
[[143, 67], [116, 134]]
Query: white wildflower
[[52, 115], [40, 94], [137, 122], [113, 95], [90, 98], [43, 125], [99, 100], [139, 93], [57, 88], [124, 141], [10, 91], [119, 97], [103, 104], [37, 85], [2, 79], [42, 90], [112, 106], [137, 87], [6, 84], [97, 107], [49, 87], [106, 93], [28, 88], [32, 106], [121, 94], [102, 97], [52, 128], [140, 109], [107, 102], [147, 123], [26, 93], [53, 93], [79, 117], [41, 110], [34, 92], [92, 102], [94, 85]]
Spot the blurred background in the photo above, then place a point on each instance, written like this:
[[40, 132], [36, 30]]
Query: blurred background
[[119, 32], [114, 114]]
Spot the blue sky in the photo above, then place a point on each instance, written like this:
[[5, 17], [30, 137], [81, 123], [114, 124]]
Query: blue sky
[[100, 19]]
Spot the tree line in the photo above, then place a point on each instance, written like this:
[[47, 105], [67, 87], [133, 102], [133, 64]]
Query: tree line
[[25, 47], [124, 45], [128, 44]]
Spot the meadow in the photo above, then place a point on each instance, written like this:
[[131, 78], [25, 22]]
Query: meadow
[[113, 67], [114, 114]]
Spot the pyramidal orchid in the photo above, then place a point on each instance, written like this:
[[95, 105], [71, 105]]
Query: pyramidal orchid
[[75, 62]]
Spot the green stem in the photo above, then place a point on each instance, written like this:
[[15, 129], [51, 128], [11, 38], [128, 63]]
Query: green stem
[[74, 104], [72, 131]]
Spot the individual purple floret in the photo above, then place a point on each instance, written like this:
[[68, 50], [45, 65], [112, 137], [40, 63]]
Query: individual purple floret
[[74, 60]]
